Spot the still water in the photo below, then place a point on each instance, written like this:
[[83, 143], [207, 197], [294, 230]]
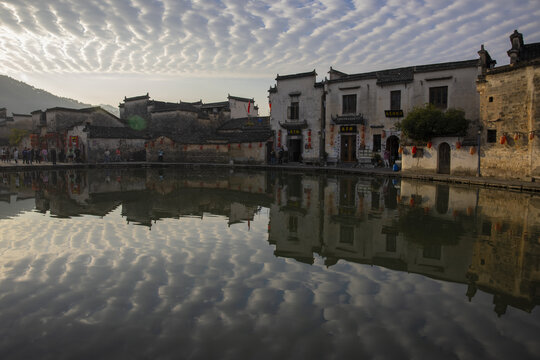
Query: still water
[[182, 263]]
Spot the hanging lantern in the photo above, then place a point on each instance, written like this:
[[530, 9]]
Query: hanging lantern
[[458, 145], [413, 150], [503, 140], [400, 150], [429, 144], [472, 150], [411, 201]]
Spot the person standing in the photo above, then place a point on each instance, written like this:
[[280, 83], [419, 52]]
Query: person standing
[[118, 157], [53, 156], [44, 154], [15, 155], [285, 154], [107, 155], [31, 153], [160, 155], [386, 157]]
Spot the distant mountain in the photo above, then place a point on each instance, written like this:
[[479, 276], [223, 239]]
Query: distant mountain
[[21, 98]]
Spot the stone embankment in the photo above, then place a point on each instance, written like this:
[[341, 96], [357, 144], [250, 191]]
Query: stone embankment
[[491, 182]]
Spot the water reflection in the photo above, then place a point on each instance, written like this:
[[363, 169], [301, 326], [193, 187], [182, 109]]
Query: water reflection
[[483, 239]]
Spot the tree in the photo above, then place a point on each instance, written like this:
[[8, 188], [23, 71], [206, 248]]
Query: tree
[[424, 122], [16, 135]]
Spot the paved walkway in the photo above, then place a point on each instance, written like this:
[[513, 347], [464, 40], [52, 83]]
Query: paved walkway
[[512, 185]]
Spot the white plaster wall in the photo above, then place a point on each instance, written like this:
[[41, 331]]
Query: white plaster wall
[[309, 110]]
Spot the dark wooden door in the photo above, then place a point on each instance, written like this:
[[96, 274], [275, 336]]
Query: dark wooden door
[[444, 159], [348, 148]]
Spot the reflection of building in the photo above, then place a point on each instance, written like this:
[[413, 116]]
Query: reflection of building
[[295, 218]]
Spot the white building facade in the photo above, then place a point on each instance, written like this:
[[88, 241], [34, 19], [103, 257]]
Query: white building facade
[[296, 114], [362, 109]]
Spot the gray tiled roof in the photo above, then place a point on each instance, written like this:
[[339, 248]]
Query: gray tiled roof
[[247, 124], [294, 76], [106, 132]]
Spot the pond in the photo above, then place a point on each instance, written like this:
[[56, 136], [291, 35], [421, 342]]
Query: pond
[[214, 263]]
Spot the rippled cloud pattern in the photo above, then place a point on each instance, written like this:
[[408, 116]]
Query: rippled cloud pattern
[[252, 38]]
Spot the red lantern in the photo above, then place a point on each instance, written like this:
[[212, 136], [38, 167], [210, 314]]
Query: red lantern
[[458, 145], [429, 144], [472, 150], [400, 150], [503, 140], [411, 201], [531, 136], [309, 133], [413, 150]]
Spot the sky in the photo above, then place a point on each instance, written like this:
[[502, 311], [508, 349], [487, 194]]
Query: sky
[[99, 51]]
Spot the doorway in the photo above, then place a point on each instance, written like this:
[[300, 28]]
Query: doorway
[[295, 150], [444, 159], [392, 145], [348, 148]]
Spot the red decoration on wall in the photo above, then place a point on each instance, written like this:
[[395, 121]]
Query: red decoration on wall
[[503, 140], [228, 146], [400, 150], [260, 144], [472, 150], [413, 150], [531, 136], [250, 145], [239, 146], [383, 134], [458, 145], [429, 144], [516, 136]]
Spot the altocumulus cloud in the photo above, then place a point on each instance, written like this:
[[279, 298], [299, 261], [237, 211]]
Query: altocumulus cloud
[[250, 38]]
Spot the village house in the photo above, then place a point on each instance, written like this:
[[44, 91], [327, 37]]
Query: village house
[[362, 110], [510, 112], [50, 127], [296, 115]]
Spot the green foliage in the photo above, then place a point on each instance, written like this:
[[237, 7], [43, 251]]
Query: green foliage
[[424, 122], [16, 135]]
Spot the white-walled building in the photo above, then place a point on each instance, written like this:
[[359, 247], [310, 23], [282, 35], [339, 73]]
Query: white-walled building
[[296, 108], [363, 109]]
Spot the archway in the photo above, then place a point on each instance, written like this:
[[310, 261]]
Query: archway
[[443, 160]]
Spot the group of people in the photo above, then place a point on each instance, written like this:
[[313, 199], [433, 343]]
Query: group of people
[[31, 155], [282, 155]]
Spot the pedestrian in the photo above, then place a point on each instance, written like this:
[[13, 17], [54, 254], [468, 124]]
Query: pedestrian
[[77, 155], [2, 154], [62, 155], [24, 155], [160, 155], [37, 156], [70, 155], [15, 155], [31, 152], [107, 155], [280, 155], [386, 157], [53, 156], [118, 157], [7, 155], [44, 154], [272, 157], [285, 154]]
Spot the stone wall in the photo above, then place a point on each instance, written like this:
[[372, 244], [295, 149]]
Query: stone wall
[[510, 107]]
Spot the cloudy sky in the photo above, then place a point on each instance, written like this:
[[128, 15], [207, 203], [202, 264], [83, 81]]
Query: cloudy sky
[[99, 51]]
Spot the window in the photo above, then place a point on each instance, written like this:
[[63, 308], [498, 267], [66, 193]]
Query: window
[[395, 100], [346, 234], [391, 242], [432, 251], [492, 136], [293, 224], [438, 96], [349, 104], [294, 110], [377, 142]]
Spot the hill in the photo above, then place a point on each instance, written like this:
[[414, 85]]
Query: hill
[[21, 98]]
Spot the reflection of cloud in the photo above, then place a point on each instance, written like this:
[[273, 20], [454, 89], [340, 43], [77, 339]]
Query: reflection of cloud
[[193, 288], [251, 37]]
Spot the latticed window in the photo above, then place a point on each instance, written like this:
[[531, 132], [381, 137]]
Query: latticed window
[[395, 100], [349, 104], [438, 96], [293, 111]]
